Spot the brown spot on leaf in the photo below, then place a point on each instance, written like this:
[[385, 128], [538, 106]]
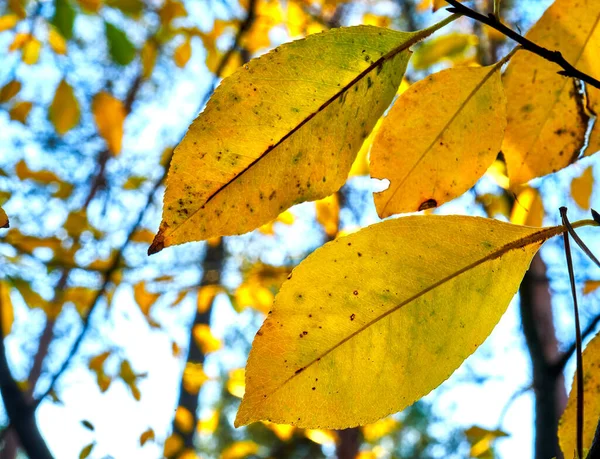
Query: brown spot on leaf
[[429, 204]]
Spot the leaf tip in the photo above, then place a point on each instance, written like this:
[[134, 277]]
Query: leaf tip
[[157, 245]]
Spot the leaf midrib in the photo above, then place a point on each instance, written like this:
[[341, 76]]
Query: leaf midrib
[[540, 236]]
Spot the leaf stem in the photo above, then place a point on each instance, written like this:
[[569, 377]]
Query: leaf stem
[[550, 55], [424, 33], [580, 395]]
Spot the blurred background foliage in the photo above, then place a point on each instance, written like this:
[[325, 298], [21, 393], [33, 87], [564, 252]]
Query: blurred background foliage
[[94, 95]]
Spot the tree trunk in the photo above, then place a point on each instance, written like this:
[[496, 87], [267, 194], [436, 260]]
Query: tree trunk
[[548, 385], [21, 413], [211, 275]]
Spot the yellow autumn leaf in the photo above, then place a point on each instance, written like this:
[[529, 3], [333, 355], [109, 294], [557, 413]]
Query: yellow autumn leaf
[[321, 437], [253, 295], [350, 311], [495, 204], [528, 208], [134, 182], [64, 111], [86, 451], [80, 297], [171, 9], [206, 296], [56, 41], [245, 159], [31, 298], [328, 214], [147, 436], [236, 384], [93, 6], [582, 187], [204, 339], [373, 432], [444, 160], [590, 286], [183, 53], [148, 57], [546, 120], [6, 309], [19, 41], [109, 114], [567, 425], [360, 166], [144, 298], [285, 217], [448, 47], [130, 378], [8, 22], [184, 419], [173, 445], [96, 364], [188, 453], [376, 20], [44, 177], [283, 431], [240, 450], [31, 51], [482, 441], [20, 111], [9, 90], [193, 377], [208, 425], [142, 235], [4, 223]]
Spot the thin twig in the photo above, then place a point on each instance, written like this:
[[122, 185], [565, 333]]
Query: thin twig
[[563, 214], [550, 55], [580, 243]]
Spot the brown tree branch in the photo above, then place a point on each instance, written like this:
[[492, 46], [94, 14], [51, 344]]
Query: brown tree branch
[[20, 411], [550, 55]]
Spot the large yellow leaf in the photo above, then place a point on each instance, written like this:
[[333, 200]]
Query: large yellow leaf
[[109, 114], [281, 130], [64, 110], [567, 426], [546, 122], [371, 322], [426, 146]]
